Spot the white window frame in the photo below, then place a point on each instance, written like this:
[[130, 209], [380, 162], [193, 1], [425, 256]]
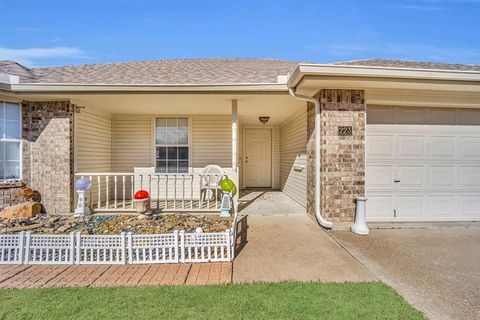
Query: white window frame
[[20, 141], [188, 145]]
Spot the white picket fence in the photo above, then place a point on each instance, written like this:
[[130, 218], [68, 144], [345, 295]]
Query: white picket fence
[[125, 248]]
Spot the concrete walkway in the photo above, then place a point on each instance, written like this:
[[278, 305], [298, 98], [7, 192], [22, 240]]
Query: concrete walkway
[[282, 248], [43, 276], [436, 270], [267, 203]]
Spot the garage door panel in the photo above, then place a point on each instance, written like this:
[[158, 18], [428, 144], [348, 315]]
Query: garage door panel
[[470, 148], [410, 207], [380, 207], [411, 177], [469, 177], [379, 177], [468, 117], [441, 147], [442, 206], [441, 177], [441, 116], [411, 147], [435, 156], [380, 147], [409, 115], [469, 207]]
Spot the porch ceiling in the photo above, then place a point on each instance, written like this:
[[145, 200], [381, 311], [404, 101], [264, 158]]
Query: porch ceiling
[[250, 106]]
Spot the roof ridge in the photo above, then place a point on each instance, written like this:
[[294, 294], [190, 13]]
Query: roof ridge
[[407, 60], [166, 60]]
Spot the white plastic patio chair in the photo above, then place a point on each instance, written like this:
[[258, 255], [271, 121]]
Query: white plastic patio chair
[[210, 180]]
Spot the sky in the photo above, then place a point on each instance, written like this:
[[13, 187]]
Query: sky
[[68, 32]]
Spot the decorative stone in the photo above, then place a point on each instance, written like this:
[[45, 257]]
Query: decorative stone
[[21, 210]]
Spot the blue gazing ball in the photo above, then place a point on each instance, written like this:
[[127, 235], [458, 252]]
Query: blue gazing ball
[[83, 184]]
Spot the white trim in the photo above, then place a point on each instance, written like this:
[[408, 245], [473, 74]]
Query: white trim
[[19, 141], [153, 141], [85, 87], [304, 69]]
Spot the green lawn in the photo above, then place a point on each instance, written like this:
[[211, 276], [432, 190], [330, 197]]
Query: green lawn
[[257, 301]]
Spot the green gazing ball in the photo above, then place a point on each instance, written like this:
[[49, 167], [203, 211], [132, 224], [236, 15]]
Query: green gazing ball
[[227, 185]]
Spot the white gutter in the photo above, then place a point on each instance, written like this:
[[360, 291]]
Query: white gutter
[[324, 223], [330, 70], [91, 88]]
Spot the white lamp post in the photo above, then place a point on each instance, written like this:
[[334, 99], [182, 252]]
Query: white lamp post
[[82, 185]]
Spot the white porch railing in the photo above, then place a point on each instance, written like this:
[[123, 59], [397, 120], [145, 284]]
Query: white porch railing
[[114, 191]]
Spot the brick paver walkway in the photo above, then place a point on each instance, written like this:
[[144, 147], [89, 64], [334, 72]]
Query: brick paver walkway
[[39, 276]]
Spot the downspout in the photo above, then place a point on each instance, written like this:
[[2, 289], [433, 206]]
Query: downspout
[[324, 223]]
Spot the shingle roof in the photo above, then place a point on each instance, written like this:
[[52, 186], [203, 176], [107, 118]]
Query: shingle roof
[[191, 71], [410, 64], [179, 71]]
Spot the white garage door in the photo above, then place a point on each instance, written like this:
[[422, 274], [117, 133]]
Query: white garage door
[[422, 164]]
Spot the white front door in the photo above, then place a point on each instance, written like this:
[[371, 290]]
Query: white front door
[[423, 164], [258, 158]]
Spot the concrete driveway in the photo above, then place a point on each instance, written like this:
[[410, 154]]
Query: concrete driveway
[[436, 270]]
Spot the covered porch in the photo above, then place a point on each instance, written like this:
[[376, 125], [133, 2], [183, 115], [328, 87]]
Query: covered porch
[[162, 143]]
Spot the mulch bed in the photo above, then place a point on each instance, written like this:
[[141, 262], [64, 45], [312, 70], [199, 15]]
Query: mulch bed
[[115, 224]]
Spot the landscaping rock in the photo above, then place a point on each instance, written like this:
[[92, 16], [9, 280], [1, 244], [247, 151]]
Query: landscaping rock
[[21, 210]]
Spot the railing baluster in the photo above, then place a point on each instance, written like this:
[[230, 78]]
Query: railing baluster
[[158, 192], [115, 186], [183, 191], [133, 189], [166, 192], [216, 191], [150, 184], [200, 200], [107, 191], [175, 192], [98, 193], [123, 192], [208, 190], [91, 190]]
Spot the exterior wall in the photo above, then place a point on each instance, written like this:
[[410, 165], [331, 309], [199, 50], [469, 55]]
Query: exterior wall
[[93, 144], [9, 193], [342, 157], [93, 141], [210, 143], [293, 152], [48, 152], [132, 142]]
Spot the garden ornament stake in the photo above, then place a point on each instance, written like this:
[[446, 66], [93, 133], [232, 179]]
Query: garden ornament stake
[[82, 185], [228, 191]]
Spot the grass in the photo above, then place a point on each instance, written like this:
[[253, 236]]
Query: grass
[[255, 301]]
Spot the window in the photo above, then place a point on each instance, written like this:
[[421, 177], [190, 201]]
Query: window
[[171, 145], [10, 138]]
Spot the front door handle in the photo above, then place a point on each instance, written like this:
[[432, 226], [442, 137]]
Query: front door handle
[[396, 180]]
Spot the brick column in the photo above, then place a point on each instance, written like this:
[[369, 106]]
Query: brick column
[[48, 152], [342, 156]]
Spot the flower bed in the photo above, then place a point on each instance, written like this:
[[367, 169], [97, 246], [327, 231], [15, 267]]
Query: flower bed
[[115, 224], [116, 239]]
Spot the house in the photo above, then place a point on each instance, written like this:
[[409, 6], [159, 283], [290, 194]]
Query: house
[[405, 134]]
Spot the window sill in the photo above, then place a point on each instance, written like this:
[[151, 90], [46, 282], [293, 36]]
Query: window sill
[[5, 184]]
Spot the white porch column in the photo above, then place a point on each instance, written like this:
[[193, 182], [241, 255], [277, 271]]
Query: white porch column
[[235, 176]]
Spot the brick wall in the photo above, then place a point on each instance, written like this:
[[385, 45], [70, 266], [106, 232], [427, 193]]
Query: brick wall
[[47, 153], [342, 157], [9, 193]]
